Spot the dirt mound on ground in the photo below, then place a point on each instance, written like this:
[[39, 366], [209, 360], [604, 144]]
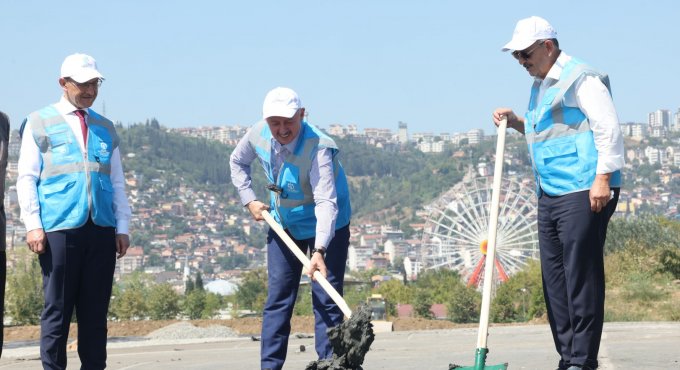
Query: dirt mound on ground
[[243, 326]]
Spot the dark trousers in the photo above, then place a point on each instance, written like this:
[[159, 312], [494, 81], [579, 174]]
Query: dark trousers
[[284, 271], [571, 239], [77, 272], [3, 277]]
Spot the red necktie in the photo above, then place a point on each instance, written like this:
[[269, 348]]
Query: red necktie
[[83, 126]]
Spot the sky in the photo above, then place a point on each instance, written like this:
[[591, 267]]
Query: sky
[[435, 65]]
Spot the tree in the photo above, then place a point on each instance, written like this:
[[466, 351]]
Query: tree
[[445, 286], [24, 300], [154, 260], [395, 292], [163, 302], [303, 302], [252, 292], [463, 304], [521, 297], [213, 302], [423, 303], [199, 282], [194, 304], [129, 301], [189, 286]]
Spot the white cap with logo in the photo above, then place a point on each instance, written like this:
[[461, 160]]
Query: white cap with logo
[[80, 67], [528, 31], [281, 102]]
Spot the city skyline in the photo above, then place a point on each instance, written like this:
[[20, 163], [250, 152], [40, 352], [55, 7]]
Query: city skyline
[[435, 65]]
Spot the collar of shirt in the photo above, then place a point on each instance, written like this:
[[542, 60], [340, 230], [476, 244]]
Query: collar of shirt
[[290, 147], [556, 69], [65, 107]]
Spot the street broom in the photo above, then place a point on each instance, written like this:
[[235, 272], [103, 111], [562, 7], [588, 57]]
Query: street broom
[[482, 350], [351, 339]]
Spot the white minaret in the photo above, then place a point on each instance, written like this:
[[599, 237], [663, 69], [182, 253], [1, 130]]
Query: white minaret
[[187, 272]]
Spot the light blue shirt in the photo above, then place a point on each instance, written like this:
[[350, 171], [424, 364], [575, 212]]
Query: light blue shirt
[[321, 177]]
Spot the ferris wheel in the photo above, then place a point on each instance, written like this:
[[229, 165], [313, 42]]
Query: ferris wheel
[[456, 232]]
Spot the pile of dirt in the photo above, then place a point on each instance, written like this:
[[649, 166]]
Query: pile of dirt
[[350, 340], [243, 326]]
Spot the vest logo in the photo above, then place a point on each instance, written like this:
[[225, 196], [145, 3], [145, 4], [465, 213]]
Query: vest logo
[[292, 188], [103, 150]]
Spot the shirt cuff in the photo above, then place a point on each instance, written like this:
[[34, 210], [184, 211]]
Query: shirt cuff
[[122, 227], [247, 196], [33, 222], [322, 240], [609, 164]]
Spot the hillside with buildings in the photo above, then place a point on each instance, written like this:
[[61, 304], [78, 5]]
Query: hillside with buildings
[[187, 217]]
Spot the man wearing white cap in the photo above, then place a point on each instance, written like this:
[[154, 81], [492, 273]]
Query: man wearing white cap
[[71, 192], [576, 148], [309, 197]]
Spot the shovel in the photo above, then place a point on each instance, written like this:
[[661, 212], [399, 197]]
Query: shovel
[[335, 296], [482, 350], [351, 339]]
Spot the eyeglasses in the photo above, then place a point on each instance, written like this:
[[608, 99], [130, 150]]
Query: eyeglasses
[[85, 85], [526, 54]]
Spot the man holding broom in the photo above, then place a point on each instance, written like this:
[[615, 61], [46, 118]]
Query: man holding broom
[[309, 197]]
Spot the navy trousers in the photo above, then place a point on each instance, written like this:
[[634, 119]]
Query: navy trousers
[[571, 241], [77, 272], [284, 271], [3, 278]]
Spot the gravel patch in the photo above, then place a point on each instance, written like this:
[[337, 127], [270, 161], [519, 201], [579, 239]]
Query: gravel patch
[[185, 330]]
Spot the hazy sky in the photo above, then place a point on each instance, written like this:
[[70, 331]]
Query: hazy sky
[[436, 65]]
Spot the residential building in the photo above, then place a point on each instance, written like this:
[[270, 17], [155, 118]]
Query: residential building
[[403, 133], [357, 257]]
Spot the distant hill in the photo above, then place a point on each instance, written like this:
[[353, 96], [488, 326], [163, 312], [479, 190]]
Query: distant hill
[[384, 183], [152, 151]]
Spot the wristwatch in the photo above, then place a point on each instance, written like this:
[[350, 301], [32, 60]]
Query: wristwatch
[[320, 250]]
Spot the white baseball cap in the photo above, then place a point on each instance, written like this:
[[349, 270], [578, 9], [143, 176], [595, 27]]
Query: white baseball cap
[[281, 102], [527, 31], [80, 67]]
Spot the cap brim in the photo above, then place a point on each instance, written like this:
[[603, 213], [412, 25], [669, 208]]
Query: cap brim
[[280, 112], [517, 44], [86, 76]]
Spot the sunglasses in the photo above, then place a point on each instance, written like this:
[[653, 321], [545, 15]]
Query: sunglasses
[[86, 85], [526, 54]]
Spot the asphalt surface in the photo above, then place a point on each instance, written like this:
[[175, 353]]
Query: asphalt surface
[[646, 346]]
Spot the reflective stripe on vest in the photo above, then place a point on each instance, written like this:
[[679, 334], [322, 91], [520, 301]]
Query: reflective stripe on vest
[[69, 187], [294, 207], [559, 137]]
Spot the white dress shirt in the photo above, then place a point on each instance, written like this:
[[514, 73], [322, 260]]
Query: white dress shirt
[[321, 178], [30, 163], [594, 100]]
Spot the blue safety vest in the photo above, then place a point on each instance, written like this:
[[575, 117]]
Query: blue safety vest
[[293, 208], [560, 141], [73, 187]]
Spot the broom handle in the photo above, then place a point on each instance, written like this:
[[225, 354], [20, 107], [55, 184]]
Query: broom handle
[[335, 296], [491, 245]]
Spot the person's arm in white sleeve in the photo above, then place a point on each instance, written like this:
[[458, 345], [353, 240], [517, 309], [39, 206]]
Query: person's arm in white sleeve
[[322, 179], [239, 164], [595, 101], [28, 168]]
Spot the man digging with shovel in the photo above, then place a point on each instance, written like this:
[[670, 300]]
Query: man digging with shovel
[[309, 198]]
